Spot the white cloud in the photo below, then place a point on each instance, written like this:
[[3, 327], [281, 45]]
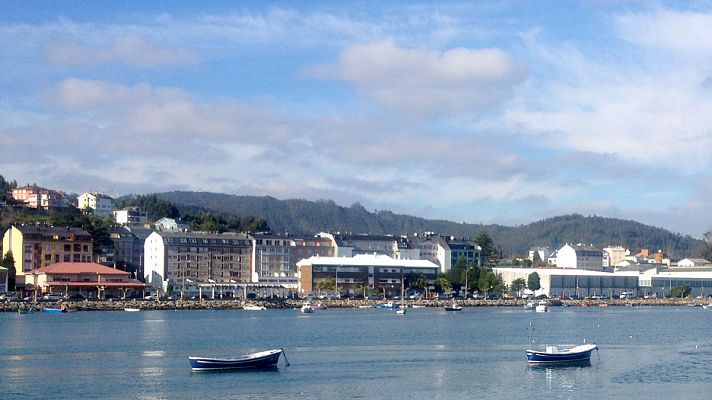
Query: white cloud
[[428, 81], [680, 31], [132, 50]]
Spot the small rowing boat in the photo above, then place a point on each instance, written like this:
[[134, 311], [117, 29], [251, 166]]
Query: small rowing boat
[[554, 355], [260, 360]]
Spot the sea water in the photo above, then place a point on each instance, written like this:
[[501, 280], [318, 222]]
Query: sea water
[[645, 353]]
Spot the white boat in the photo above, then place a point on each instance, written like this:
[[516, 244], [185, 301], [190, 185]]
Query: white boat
[[400, 311], [129, 309], [542, 307], [530, 305], [707, 306], [453, 307], [253, 307], [307, 308]]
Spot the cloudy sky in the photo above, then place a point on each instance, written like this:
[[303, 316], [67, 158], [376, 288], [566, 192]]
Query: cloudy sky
[[507, 112]]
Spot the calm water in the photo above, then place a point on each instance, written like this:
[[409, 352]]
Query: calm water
[[645, 353]]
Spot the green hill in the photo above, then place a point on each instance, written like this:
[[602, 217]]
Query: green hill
[[310, 217]]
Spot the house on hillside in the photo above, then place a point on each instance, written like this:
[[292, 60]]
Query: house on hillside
[[170, 225], [102, 206]]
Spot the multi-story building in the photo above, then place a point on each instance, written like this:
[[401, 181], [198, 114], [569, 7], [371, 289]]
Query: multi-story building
[[612, 255], [580, 256], [372, 271], [35, 246], [446, 251], [184, 261], [101, 205], [275, 256], [38, 197], [130, 216]]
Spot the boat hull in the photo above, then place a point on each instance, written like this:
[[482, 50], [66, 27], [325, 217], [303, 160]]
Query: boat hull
[[576, 355], [261, 360], [54, 310]]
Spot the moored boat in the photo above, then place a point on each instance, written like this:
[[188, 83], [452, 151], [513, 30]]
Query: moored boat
[[389, 305], [319, 306], [130, 309], [554, 355], [54, 310], [262, 359], [253, 307], [453, 307], [541, 307]]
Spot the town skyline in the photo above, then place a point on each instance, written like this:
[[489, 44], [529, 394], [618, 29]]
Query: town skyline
[[502, 113]]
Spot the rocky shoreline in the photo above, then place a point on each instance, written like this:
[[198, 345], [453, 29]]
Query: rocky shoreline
[[120, 305]]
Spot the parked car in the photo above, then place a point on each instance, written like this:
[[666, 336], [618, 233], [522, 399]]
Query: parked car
[[75, 296], [151, 297], [51, 297], [8, 297]]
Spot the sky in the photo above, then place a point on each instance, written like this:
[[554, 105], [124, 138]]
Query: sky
[[503, 112]]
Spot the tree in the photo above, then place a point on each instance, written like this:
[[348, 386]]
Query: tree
[[518, 285], [707, 249], [488, 281], [533, 281], [326, 284], [487, 245], [9, 262], [536, 260], [680, 291], [456, 272], [442, 284]]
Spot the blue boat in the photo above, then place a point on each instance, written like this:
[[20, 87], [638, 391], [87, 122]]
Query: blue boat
[[554, 355], [260, 360], [54, 310], [390, 305]]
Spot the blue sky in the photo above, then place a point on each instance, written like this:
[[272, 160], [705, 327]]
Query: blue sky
[[504, 112]]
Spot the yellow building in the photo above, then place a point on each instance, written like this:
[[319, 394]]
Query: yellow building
[[36, 246]]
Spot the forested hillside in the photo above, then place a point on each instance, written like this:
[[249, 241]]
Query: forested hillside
[[309, 217]]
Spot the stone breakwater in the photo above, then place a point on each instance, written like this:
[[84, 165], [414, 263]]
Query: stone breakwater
[[120, 305]]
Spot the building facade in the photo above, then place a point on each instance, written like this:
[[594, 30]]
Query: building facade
[[36, 246], [91, 280], [612, 255], [363, 271], [580, 256], [183, 261], [130, 216], [101, 205], [38, 197], [275, 256]]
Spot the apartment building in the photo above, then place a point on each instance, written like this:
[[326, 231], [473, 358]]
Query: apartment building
[[35, 246], [182, 260], [276, 256]]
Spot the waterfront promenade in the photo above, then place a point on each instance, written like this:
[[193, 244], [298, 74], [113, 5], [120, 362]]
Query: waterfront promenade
[[236, 304]]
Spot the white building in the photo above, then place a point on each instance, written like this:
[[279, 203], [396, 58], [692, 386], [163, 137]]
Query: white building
[[170, 224], [575, 282], [542, 251], [101, 204], [580, 256], [612, 255], [185, 260], [130, 216], [693, 262]]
